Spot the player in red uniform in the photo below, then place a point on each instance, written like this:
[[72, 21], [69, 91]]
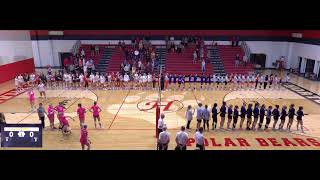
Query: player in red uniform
[[95, 110], [81, 113], [84, 139]]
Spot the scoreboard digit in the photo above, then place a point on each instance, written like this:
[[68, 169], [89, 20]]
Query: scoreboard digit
[[21, 135]]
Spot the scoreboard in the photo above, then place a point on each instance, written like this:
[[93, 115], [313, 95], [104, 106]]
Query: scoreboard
[[21, 135]]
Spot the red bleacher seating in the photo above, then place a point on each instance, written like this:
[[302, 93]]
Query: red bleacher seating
[[228, 56], [183, 63]]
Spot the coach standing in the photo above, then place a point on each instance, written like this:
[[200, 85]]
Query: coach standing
[[160, 123], [181, 139], [164, 139], [199, 139]]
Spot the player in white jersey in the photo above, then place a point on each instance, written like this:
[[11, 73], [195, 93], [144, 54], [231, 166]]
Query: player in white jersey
[[149, 79], [32, 79], [102, 81], [109, 77], [235, 81], [136, 80], [17, 84], [91, 80], [277, 83], [21, 81], [41, 89], [243, 81], [65, 79], [248, 81], [261, 81], [222, 82], [81, 79], [144, 80], [96, 80], [126, 80], [286, 78], [226, 82]]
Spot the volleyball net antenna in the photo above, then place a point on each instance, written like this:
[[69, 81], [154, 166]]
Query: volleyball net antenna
[[159, 99]]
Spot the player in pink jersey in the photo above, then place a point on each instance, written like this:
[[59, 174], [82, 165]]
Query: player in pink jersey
[[51, 116], [95, 110], [84, 139], [65, 125], [60, 112], [81, 113], [31, 98]]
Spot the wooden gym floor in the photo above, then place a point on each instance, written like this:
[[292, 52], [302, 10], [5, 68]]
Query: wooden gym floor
[[129, 120]]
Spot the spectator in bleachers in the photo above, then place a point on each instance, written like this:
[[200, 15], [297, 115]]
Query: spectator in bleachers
[[237, 60], [201, 53], [195, 56], [180, 47], [92, 50], [97, 49], [83, 53], [245, 60], [203, 66]]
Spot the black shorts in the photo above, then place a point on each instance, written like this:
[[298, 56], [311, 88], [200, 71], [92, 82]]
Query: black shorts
[[215, 119], [200, 147], [199, 120]]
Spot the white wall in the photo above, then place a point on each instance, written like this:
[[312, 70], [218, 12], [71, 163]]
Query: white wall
[[47, 52], [272, 50], [14, 46], [291, 50]]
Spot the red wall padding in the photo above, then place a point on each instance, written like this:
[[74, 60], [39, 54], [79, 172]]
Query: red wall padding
[[9, 71]]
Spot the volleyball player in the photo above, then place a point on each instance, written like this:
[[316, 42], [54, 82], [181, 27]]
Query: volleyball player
[[261, 114], [222, 82], [16, 83], [265, 82], [65, 127], [149, 81], [218, 79], [51, 116], [257, 79], [261, 81], [214, 112], [81, 80], [84, 137], [214, 80], [291, 113], [65, 80], [277, 83], [21, 81], [102, 81], [209, 80], [270, 81], [283, 117], [32, 79], [249, 116], [91, 80], [235, 116], [195, 80], [31, 98], [248, 81], [268, 117], [223, 110], [60, 113], [255, 116], [109, 82], [235, 82], [126, 80], [300, 114], [230, 113], [170, 81], [42, 90], [252, 81], [181, 139], [175, 78], [202, 80], [81, 114], [200, 112], [206, 117], [189, 115], [96, 80], [69, 81], [226, 81], [166, 81], [95, 110], [179, 81], [243, 114], [276, 115]]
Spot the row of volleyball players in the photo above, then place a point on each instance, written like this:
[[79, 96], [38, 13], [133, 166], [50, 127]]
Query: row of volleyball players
[[63, 122], [217, 81], [104, 81], [258, 112]]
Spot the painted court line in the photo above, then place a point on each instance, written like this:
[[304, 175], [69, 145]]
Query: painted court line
[[114, 118]]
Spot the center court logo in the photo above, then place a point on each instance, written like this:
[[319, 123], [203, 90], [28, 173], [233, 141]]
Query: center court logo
[[167, 106]]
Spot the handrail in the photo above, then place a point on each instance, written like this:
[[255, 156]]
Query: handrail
[[246, 49], [75, 47]]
